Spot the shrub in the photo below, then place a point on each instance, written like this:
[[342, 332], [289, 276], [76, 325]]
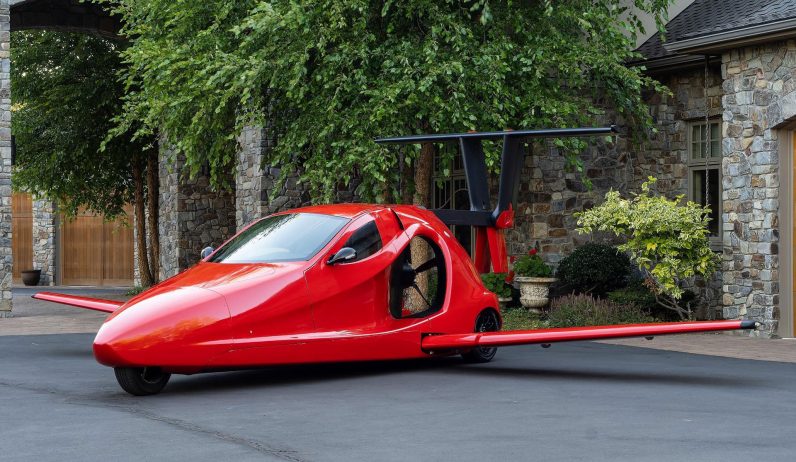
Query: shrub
[[496, 282], [595, 269], [634, 294], [135, 290], [585, 310], [532, 265], [667, 239]]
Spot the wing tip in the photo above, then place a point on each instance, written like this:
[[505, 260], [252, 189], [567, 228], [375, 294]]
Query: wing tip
[[749, 324], [96, 304]]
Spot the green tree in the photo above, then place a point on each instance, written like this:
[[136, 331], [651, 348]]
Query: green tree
[[667, 239], [66, 95], [331, 75]]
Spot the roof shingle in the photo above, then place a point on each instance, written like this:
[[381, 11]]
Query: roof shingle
[[705, 17]]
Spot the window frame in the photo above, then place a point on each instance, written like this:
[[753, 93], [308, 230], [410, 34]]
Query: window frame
[[706, 164]]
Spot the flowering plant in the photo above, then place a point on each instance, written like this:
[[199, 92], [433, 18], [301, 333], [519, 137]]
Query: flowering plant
[[532, 265]]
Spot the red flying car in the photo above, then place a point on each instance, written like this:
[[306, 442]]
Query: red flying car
[[348, 282]]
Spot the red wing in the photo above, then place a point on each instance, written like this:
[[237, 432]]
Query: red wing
[[97, 304], [568, 334]]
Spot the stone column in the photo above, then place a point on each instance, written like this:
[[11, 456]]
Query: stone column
[[167, 220], [760, 97], [192, 215], [44, 243], [251, 198], [5, 161], [255, 183]]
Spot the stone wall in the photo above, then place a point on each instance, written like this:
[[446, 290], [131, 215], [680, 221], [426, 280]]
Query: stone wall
[[255, 183], [204, 218], [666, 155], [760, 94], [5, 162], [167, 220], [44, 224], [549, 196], [192, 216]]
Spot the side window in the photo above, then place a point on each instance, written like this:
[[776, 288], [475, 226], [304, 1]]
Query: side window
[[366, 241], [417, 280]]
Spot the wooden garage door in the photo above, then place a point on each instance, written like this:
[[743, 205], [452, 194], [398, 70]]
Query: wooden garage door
[[21, 233], [95, 252]]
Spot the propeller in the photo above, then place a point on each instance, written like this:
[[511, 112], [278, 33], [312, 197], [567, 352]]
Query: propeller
[[405, 278]]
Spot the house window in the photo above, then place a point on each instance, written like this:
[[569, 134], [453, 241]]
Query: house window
[[704, 171], [450, 192]]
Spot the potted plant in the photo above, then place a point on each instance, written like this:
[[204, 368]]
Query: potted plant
[[496, 282], [31, 277], [534, 278]]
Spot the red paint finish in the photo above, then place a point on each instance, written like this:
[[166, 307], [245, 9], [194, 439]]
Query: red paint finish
[[219, 315], [96, 304], [569, 334]]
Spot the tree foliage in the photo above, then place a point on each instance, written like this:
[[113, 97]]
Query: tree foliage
[[331, 75], [667, 239], [66, 94]]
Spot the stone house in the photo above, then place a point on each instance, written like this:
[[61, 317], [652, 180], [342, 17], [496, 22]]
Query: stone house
[[725, 138]]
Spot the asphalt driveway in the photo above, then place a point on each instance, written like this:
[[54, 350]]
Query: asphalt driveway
[[578, 401]]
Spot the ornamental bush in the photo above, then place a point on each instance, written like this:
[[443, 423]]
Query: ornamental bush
[[667, 239], [585, 310], [634, 294], [496, 282], [532, 265], [594, 269]]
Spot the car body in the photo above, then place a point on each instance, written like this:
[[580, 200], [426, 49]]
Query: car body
[[233, 311], [343, 282], [219, 314]]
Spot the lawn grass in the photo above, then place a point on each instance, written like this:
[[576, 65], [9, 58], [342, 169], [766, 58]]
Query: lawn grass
[[521, 319]]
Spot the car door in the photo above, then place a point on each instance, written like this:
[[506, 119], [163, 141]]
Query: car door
[[352, 301], [352, 296]]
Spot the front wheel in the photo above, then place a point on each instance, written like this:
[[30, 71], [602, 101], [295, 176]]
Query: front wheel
[[141, 381], [487, 321]]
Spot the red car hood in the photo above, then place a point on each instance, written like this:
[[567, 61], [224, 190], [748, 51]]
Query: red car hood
[[225, 278]]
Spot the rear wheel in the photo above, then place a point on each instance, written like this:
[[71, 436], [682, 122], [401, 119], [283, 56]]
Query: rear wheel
[[487, 321], [141, 381]]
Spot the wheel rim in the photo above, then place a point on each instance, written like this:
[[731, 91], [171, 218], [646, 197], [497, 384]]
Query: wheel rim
[[152, 375], [487, 322]]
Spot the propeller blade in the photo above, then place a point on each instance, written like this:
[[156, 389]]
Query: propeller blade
[[426, 266], [420, 292]]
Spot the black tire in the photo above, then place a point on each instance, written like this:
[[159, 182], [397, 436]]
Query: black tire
[[141, 381], [487, 321]]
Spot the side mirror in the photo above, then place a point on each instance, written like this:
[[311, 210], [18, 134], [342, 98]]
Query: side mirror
[[343, 255], [207, 251]]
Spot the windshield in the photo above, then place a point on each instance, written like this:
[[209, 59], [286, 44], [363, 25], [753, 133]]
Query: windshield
[[290, 237]]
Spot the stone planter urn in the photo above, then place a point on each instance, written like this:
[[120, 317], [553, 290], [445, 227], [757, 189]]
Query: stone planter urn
[[534, 292], [31, 277], [504, 302]]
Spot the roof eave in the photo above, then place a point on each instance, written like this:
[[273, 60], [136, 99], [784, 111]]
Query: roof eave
[[735, 38], [670, 63]]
